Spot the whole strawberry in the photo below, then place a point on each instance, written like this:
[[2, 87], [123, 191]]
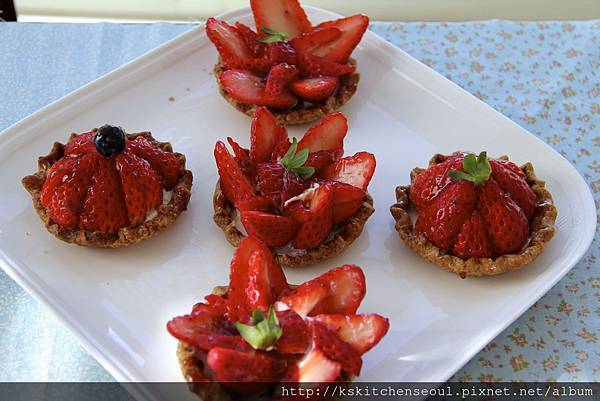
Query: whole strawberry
[[473, 207]]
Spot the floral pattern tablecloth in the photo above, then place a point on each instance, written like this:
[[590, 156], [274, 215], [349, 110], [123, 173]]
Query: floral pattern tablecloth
[[543, 75]]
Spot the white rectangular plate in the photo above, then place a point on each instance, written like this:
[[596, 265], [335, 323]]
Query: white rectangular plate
[[118, 301]]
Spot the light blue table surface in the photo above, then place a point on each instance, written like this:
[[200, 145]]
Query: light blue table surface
[[544, 76]]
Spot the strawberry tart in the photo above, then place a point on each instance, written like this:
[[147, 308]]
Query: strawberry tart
[[109, 189], [302, 199], [475, 216], [300, 71], [261, 333]]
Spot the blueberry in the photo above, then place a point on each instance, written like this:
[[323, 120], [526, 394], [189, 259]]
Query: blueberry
[[109, 140]]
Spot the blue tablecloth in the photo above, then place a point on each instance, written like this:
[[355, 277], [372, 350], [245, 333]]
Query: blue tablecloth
[[545, 76]]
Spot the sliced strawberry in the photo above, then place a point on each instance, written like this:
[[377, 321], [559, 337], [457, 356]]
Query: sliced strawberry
[[316, 220], [206, 330], [506, 223], [248, 88], [270, 178], [316, 89], [165, 163], [312, 65], [251, 39], [104, 208], [242, 158], [265, 135], [248, 373], [334, 348], [81, 144], [259, 294], [363, 332], [472, 240], [295, 337], [293, 185], [353, 29], [347, 199], [141, 186], [510, 166], [323, 158], [431, 182], [279, 78], [232, 47], [259, 203], [66, 190], [234, 183], [282, 52], [345, 287], [272, 229], [286, 16], [310, 40], [305, 297], [515, 185], [441, 221], [315, 367], [281, 149], [328, 134], [355, 170]]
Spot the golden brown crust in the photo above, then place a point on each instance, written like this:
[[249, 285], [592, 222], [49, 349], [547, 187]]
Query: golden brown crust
[[348, 84], [167, 213], [346, 234], [541, 231]]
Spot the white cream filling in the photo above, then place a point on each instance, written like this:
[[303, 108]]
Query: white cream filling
[[304, 196]]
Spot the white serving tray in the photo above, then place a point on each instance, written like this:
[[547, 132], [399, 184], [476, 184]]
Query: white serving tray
[[118, 301]]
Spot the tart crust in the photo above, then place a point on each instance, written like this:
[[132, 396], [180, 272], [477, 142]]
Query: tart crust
[[541, 231], [348, 84], [346, 234], [199, 383], [167, 213]]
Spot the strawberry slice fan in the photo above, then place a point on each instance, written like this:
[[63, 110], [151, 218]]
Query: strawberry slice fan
[[260, 330], [303, 199], [476, 216], [299, 71], [109, 189]]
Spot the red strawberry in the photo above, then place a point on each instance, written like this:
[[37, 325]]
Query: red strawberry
[[251, 39], [316, 220], [345, 287], [312, 65], [334, 348], [262, 203], [515, 185], [270, 178], [265, 135], [165, 163], [232, 47], [353, 29], [314, 38], [248, 373], [295, 337], [363, 332], [81, 144], [279, 78], [347, 199], [141, 186], [510, 166], [293, 185], [316, 89], [303, 299], [282, 52], [472, 241], [104, 208], [506, 223], [431, 182], [315, 367], [286, 16], [248, 88], [281, 149], [441, 221], [272, 229], [355, 170], [237, 310], [328, 134], [321, 159], [65, 190], [242, 158], [234, 184]]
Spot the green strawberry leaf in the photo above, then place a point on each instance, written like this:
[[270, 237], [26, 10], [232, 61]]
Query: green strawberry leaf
[[264, 333], [294, 161], [477, 169], [273, 36]]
